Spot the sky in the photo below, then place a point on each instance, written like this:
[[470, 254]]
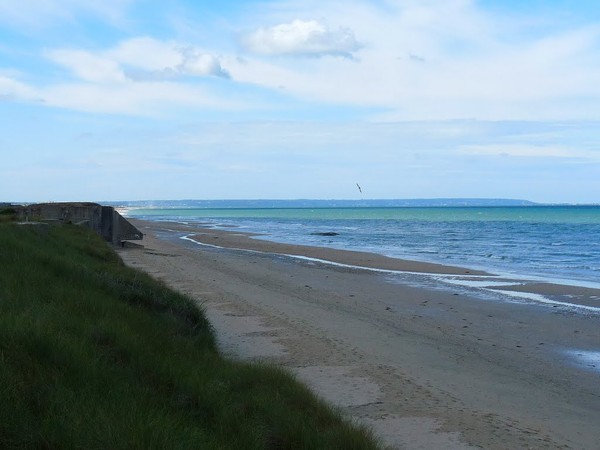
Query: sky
[[299, 99]]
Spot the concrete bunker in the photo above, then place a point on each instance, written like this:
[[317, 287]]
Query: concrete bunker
[[104, 220]]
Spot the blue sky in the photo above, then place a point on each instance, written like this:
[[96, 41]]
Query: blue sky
[[134, 100]]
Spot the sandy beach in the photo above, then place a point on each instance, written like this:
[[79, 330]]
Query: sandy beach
[[426, 368]]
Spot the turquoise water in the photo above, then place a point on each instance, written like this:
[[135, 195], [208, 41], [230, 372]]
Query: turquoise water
[[547, 241], [552, 214]]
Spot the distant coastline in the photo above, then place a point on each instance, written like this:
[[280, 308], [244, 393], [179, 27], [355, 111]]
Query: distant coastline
[[326, 203], [322, 203]]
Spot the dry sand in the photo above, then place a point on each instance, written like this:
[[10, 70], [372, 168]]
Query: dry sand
[[427, 369]]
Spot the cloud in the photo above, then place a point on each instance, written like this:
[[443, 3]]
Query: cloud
[[141, 76], [11, 89], [144, 98], [312, 160], [166, 58], [301, 38], [44, 13], [419, 60], [530, 151], [88, 66], [432, 60], [198, 63], [139, 59], [145, 53]]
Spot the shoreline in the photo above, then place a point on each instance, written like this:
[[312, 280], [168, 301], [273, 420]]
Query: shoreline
[[239, 240], [518, 288], [425, 367], [531, 247]]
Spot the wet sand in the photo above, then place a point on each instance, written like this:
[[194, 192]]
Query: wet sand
[[427, 368]]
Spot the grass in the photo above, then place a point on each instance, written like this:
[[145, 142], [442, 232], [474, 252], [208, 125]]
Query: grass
[[94, 354], [7, 214]]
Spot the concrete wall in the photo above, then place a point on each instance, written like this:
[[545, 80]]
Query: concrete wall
[[116, 228], [104, 220]]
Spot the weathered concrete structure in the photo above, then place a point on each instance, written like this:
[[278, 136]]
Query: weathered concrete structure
[[104, 220]]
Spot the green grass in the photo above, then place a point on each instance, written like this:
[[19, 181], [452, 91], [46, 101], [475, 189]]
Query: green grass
[[8, 214], [96, 355]]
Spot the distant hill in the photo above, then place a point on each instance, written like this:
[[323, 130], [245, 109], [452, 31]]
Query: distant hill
[[307, 203]]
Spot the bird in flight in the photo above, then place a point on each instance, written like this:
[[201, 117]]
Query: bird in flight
[[359, 189]]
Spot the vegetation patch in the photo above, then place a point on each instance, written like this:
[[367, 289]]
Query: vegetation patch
[[8, 214], [94, 354]]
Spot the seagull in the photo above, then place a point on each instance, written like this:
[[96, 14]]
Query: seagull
[[359, 189]]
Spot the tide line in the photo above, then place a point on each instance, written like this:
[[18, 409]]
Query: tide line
[[445, 278]]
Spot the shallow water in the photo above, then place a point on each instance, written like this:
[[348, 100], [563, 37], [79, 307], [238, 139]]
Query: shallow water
[[551, 242]]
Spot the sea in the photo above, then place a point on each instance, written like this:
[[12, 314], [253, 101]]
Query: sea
[[555, 243]]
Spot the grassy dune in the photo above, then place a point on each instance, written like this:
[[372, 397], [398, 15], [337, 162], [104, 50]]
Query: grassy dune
[[96, 355]]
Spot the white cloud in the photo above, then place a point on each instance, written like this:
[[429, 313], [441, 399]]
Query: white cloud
[[138, 59], [311, 160], [301, 38], [471, 64], [146, 98], [107, 92], [166, 58], [418, 60], [11, 89], [88, 66], [145, 53], [141, 76], [529, 151], [196, 62]]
